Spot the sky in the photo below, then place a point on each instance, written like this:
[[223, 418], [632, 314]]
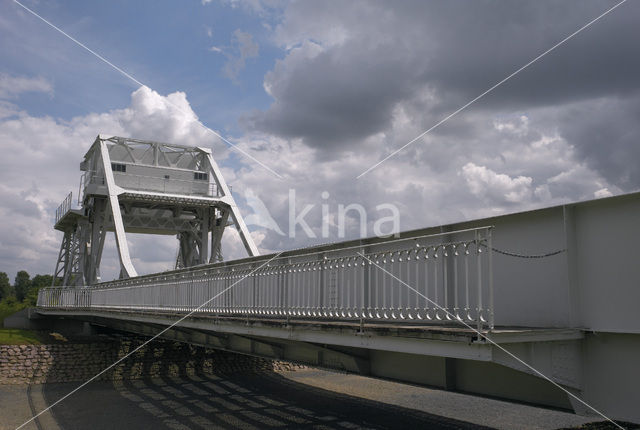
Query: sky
[[317, 92]]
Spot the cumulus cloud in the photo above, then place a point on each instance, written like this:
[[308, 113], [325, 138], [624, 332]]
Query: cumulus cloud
[[486, 183], [601, 193], [12, 86]]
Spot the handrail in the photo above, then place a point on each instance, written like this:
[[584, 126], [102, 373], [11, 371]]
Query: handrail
[[64, 207], [450, 275]]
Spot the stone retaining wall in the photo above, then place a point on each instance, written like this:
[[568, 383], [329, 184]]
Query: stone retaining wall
[[66, 362]]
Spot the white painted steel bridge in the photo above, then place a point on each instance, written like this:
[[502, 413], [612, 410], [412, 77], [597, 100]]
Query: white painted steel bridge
[[438, 278], [474, 306]]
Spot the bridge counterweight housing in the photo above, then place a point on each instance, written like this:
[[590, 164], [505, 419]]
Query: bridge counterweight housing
[[136, 186]]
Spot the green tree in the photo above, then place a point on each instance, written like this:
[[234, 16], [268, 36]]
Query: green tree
[[22, 285], [6, 290], [38, 281], [31, 299]]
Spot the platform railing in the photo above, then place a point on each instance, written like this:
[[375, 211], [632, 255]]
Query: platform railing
[[444, 278], [64, 207]]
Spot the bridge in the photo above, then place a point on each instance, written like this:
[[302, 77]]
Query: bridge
[[539, 306]]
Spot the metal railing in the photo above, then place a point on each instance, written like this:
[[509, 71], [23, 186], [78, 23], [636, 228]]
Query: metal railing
[[64, 207], [442, 278]]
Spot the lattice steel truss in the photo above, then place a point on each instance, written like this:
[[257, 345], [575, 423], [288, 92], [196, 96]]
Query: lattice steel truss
[[136, 186]]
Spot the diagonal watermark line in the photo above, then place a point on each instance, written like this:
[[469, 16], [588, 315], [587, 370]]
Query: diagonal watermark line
[[150, 340], [488, 339], [463, 107], [130, 77]]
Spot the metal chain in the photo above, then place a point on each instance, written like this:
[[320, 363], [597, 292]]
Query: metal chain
[[513, 254]]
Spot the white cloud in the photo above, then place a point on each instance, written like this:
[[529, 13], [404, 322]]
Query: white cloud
[[13, 86], [488, 184], [8, 109], [603, 192], [518, 125]]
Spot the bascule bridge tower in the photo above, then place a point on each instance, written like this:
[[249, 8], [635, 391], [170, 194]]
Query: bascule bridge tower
[[136, 186]]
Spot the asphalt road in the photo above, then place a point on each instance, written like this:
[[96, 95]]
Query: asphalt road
[[304, 399]]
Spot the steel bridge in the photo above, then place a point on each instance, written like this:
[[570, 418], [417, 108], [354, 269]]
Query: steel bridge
[[513, 306]]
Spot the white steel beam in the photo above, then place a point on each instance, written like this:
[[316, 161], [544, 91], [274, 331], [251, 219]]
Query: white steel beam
[[121, 237], [245, 236]]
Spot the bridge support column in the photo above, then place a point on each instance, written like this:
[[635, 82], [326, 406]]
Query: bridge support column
[[97, 232], [220, 223]]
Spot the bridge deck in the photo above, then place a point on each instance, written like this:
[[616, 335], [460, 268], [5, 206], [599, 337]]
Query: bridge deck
[[405, 329]]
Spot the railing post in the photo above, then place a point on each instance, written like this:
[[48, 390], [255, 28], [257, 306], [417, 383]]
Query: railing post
[[490, 258], [479, 286], [365, 286], [321, 287], [287, 288]]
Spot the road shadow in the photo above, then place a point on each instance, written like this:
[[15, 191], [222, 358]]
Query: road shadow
[[236, 400]]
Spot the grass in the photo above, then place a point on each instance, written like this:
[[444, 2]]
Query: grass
[[10, 336]]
